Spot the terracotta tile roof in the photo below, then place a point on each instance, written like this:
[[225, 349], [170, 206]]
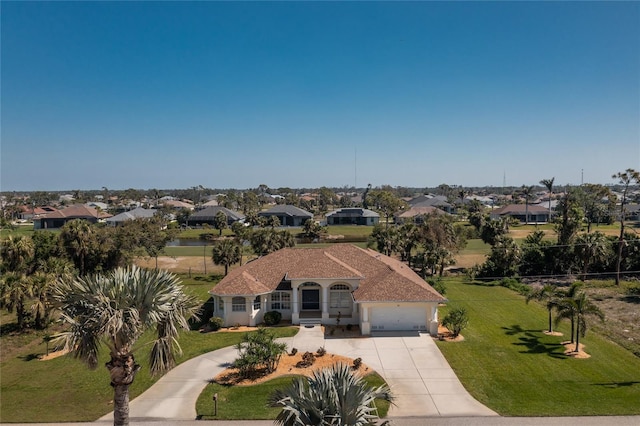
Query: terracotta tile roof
[[381, 277], [76, 211]]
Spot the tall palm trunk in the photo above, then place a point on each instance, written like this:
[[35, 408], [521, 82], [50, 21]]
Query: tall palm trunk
[[122, 369]]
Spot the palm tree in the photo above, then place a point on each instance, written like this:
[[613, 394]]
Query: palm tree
[[590, 249], [113, 311], [548, 183], [41, 284], [548, 293], [226, 252], [333, 396], [17, 254], [15, 289], [527, 194], [584, 308], [566, 306], [78, 237]]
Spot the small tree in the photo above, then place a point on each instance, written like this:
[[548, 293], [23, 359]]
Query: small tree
[[220, 221], [227, 253], [456, 320], [258, 350]]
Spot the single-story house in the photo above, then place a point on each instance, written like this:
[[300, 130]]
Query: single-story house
[[176, 204], [31, 213], [536, 213], [139, 213], [287, 214], [208, 215], [417, 214], [58, 218], [438, 201], [321, 285], [353, 216]]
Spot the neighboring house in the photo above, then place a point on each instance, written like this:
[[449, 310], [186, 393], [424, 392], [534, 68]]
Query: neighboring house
[[208, 216], [139, 213], [288, 215], [58, 218], [417, 214], [176, 204], [353, 216], [438, 201], [31, 213], [97, 205], [319, 285], [537, 213]]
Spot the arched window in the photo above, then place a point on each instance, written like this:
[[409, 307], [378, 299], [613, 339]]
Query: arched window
[[238, 304], [340, 296]]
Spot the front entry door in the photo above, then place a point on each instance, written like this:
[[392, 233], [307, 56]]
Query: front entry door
[[311, 300]]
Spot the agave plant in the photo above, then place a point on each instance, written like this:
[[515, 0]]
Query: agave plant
[[332, 396]]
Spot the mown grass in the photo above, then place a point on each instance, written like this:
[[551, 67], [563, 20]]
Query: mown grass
[[234, 401], [510, 365], [65, 390], [17, 230]]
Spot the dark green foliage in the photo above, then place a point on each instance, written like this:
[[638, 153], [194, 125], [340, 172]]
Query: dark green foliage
[[216, 323], [503, 260], [272, 318], [258, 351], [438, 285], [456, 320], [357, 363]]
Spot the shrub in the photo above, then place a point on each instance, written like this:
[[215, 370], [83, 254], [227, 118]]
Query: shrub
[[307, 360], [321, 351], [272, 318], [258, 350], [357, 363], [294, 351], [349, 327], [633, 290], [216, 323], [456, 320]]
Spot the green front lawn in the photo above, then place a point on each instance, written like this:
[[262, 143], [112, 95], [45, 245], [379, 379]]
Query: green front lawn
[[65, 390], [234, 401], [510, 365]]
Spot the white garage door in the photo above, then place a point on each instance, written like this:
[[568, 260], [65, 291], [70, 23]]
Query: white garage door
[[398, 318]]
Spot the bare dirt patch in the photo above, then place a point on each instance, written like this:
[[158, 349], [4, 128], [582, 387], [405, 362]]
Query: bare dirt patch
[[53, 355], [287, 367], [570, 350], [194, 264]]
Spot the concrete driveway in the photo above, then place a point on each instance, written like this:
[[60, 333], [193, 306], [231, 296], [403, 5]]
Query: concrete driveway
[[422, 381], [419, 376]]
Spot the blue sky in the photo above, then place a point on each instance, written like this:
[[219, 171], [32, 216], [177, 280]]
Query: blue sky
[[234, 95]]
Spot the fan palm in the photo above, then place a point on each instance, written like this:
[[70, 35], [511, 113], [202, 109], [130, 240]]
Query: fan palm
[[15, 290], [17, 254], [332, 396], [226, 252], [116, 309]]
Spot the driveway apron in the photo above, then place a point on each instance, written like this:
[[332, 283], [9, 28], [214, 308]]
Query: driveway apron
[[419, 376]]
